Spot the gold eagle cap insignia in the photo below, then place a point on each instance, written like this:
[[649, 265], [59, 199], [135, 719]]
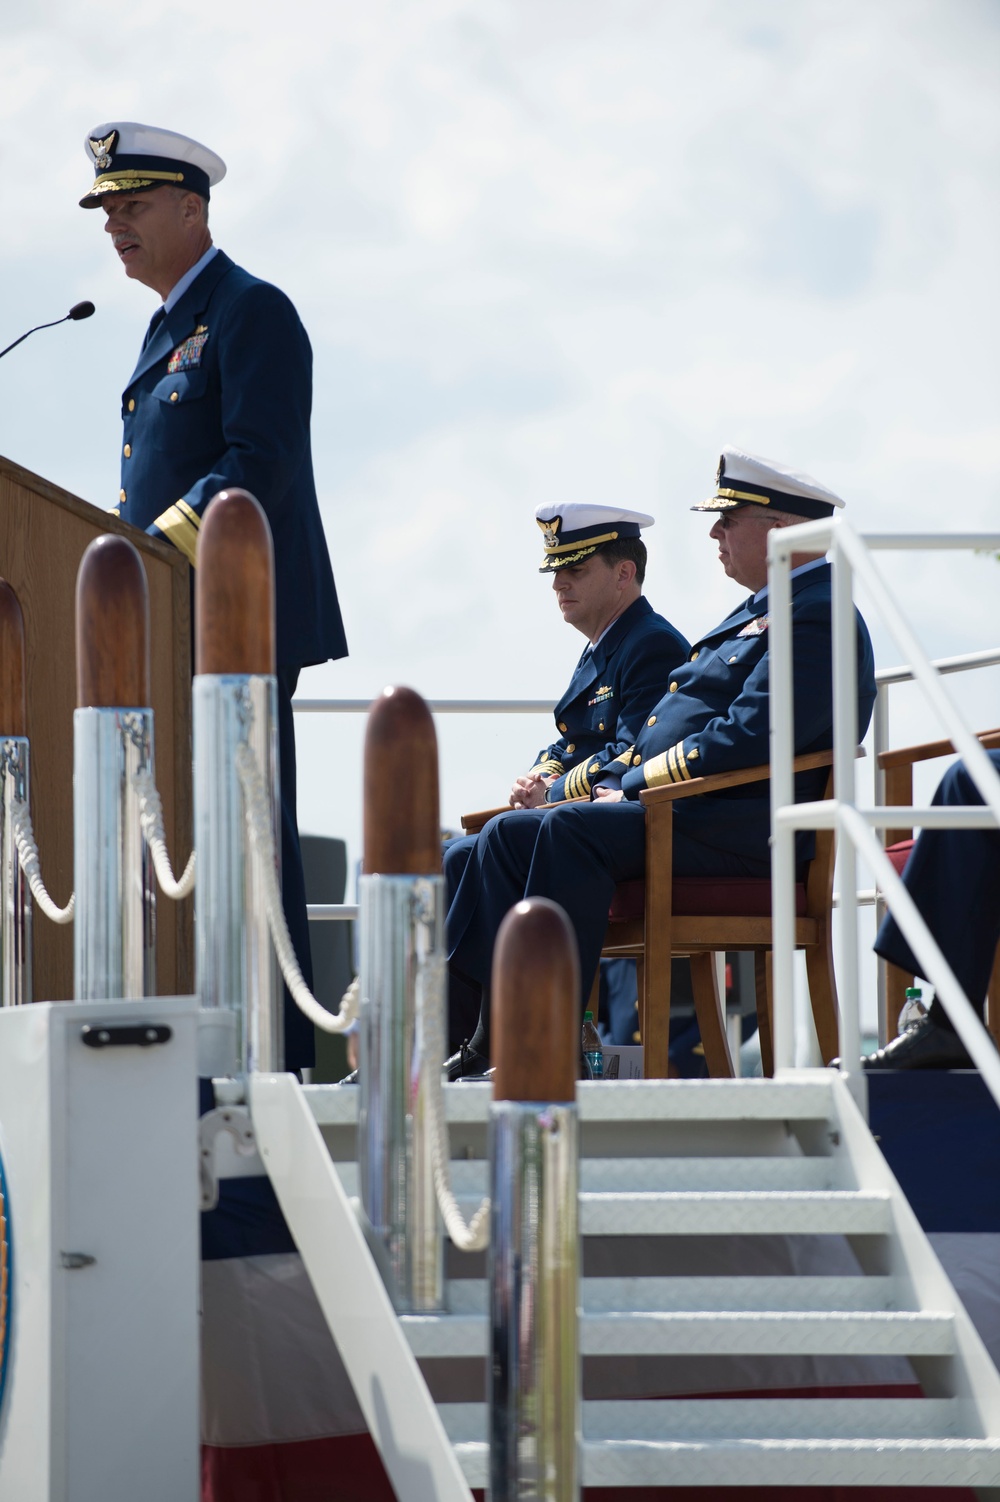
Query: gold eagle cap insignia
[[102, 150], [550, 530]]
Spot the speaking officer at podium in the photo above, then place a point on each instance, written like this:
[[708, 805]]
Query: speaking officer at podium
[[220, 397]]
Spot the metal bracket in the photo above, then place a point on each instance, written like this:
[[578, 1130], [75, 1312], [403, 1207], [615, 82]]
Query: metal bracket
[[73, 1260], [135, 1035], [236, 1121]]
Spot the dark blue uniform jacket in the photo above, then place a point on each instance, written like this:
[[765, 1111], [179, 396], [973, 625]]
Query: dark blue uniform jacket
[[221, 397], [608, 698], [715, 717]]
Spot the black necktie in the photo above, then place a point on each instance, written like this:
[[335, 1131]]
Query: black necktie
[[154, 324]]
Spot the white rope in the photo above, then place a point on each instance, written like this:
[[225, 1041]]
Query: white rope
[[258, 809], [151, 823], [27, 854], [430, 990]]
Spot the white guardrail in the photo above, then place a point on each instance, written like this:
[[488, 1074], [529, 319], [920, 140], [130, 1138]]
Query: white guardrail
[[851, 557]]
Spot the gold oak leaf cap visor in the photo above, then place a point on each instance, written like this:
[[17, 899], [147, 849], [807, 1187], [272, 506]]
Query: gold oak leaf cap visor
[[744, 479], [131, 158], [575, 530]]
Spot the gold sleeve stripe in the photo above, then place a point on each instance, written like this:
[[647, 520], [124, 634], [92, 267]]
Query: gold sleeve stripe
[[656, 771], [577, 781], [550, 768], [190, 513], [179, 530], [625, 760]]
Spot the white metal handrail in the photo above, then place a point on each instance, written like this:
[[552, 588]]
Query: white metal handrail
[[851, 555]]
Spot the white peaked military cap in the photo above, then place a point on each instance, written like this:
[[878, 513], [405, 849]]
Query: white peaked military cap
[[130, 158], [574, 530], [744, 479]]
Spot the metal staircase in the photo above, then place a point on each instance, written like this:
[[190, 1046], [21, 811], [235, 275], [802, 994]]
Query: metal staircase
[[738, 1237]]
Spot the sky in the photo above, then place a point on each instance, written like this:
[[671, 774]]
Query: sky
[[547, 250]]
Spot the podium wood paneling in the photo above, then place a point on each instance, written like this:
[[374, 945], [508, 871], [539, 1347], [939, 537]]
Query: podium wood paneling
[[44, 532]]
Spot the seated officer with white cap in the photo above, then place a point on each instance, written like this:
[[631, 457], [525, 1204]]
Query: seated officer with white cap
[[597, 561], [714, 717], [220, 398]]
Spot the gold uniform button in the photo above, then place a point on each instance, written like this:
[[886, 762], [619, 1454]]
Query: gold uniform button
[[651, 720], [673, 688], [560, 726], [732, 659], [131, 403], [127, 451], [636, 760], [695, 656], [601, 725], [571, 747], [121, 495], [592, 768], [174, 395], [692, 754]]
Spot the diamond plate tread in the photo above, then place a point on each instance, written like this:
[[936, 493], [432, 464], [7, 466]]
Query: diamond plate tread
[[687, 1419], [790, 1463], [810, 1294], [470, 1176], [836, 1212], [698, 1334], [804, 1097]]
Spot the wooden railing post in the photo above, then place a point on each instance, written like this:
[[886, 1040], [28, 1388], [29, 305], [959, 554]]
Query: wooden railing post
[[534, 1402], [235, 701], [402, 953], [15, 896], [114, 931]]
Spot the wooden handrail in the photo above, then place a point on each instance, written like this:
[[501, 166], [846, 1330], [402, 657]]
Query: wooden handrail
[[905, 756], [234, 588], [112, 627], [535, 1016], [13, 702], [402, 832], [719, 780]]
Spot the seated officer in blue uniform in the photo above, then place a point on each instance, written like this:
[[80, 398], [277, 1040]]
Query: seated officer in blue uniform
[[220, 397], [597, 562], [714, 717], [953, 876]]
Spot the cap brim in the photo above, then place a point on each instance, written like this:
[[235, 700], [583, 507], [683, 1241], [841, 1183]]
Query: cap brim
[[107, 185], [566, 560]]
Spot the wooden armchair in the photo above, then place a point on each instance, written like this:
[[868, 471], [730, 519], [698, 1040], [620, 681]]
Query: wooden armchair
[[897, 766], [663, 916]]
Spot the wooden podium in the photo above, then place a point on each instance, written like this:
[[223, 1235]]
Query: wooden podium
[[44, 532]]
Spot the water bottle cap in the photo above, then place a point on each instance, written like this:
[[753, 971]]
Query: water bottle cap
[[913, 993], [588, 1016]]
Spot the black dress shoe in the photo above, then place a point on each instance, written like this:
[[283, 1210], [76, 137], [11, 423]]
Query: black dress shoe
[[925, 1045], [467, 1064]]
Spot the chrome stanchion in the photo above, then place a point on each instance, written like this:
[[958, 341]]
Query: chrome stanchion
[[534, 1393], [114, 930], [401, 923], [15, 894], [235, 701]]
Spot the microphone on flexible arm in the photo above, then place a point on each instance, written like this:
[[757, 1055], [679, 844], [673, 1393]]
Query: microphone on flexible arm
[[77, 311]]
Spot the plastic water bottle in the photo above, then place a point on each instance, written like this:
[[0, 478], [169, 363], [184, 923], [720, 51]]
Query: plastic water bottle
[[913, 1009], [592, 1055]]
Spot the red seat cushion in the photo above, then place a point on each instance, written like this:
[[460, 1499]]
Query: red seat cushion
[[705, 896], [899, 854]]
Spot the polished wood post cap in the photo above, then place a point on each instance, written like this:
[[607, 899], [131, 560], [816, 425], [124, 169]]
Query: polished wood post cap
[[112, 627], [234, 588], [402, 833], [535, 1005], [13, 707]]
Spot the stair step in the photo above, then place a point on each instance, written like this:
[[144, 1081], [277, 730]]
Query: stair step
[[760, 1294], [766, 1462], [691, 1419], [836, 1212], [806, 1097], [470, 1176], [873, 1333]]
